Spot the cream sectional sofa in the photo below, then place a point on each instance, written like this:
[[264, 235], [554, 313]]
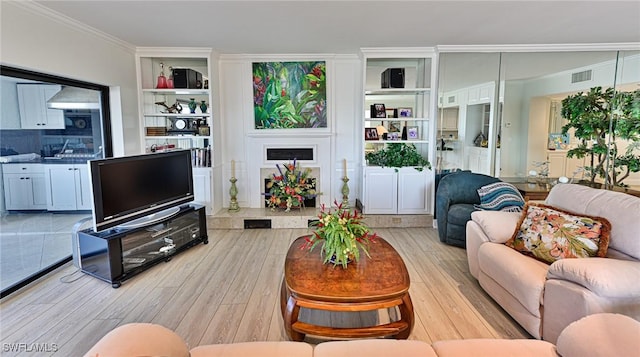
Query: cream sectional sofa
[[607, 335], [545, 298]]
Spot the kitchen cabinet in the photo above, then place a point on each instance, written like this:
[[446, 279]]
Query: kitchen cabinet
[[561, 165], [478, 161], [480, 94], [24, 187], [450, 119], [391, 190], [68, 187], [32, 103], [450, 99]]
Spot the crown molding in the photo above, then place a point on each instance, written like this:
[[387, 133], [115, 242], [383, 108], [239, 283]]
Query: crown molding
[[288, 57], [574, 47], [41, 10]]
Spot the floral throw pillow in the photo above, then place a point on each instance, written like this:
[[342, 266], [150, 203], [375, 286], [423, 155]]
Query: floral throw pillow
[[551, 234]]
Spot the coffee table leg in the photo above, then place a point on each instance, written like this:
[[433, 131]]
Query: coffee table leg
[[290, 312], [406, 314]]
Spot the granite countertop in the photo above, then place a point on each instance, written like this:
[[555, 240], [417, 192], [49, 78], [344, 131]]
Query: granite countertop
[[50, 161]]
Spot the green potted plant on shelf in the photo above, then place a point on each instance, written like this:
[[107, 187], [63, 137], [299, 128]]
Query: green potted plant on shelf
[[342, 235], [398, 155], [604, 120]]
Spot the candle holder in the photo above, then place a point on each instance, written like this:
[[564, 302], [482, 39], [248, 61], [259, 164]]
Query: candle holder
[[233, 192], [345, 192]]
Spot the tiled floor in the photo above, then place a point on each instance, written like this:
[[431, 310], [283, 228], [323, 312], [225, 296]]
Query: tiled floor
[[30, 242]]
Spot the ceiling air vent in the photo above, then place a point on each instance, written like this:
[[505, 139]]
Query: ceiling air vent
[[581, 76]]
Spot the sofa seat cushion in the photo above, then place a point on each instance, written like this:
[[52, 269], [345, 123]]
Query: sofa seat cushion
[[494, 348], [258, 348], [522, 276], [374, 348], [460, 214]]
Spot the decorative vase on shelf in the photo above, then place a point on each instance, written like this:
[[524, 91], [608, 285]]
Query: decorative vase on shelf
[[203, 107], [170, 79], [162, 80], [192, 105]]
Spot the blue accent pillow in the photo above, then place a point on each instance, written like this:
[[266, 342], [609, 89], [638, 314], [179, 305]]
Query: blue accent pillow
[[500, 196]]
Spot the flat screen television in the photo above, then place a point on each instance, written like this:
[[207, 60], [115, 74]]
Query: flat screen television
[[136, 190]]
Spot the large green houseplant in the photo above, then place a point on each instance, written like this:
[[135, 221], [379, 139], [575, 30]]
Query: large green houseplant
[[600, 119], [398, 155]]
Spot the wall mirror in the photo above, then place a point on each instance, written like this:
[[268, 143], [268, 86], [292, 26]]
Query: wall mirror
[[506, 107]]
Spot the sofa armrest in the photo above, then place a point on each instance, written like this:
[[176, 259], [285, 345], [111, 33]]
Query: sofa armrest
[[603, 276], [498, 226], [140, 339], [600, 335]]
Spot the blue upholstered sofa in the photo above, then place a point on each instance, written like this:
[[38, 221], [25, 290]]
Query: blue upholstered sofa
[[455, 196]]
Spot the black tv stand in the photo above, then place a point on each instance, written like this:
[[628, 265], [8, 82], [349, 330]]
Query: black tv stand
[[118, 254]]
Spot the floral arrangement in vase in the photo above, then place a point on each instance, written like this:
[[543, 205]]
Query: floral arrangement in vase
[[289, 188], [342, 235]]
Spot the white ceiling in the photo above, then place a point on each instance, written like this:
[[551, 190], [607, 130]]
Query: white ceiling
[[345, 26]]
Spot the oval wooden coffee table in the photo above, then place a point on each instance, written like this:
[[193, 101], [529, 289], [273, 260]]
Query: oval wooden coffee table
[[379, 282]]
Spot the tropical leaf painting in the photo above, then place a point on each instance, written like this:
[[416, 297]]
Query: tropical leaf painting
[[289, 95]]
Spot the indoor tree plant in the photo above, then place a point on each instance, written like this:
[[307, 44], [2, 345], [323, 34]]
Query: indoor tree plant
[[341, 234], [600, 118]]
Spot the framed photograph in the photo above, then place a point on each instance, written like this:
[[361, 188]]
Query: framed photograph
[[405, 113], [394, 126], [370, 134], [378, 111], [391, 113], [393, 136], [412, 133]]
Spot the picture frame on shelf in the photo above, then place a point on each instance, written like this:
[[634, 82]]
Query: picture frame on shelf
[[395, 126], [393, 136], [391, 112], [405, 112], [413, 133], [378, 111], [370, 134]]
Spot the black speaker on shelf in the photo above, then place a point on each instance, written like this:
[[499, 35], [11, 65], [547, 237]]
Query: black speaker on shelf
[[187, 78], [392, 78]]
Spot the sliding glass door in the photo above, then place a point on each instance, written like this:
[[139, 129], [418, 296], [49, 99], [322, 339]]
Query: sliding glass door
[[49, 128]]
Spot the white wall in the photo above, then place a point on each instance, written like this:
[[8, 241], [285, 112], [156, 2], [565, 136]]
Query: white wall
[[242, 143], [38, 40]]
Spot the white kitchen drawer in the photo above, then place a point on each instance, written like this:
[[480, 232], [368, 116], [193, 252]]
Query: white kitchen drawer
[[23, 168]]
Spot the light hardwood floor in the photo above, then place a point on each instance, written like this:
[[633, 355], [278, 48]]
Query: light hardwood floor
[[228, 291]]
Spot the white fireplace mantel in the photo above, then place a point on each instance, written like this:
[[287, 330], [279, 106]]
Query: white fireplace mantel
[[259, 167]]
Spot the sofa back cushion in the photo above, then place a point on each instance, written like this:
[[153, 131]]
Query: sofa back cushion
[[620, 209]]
